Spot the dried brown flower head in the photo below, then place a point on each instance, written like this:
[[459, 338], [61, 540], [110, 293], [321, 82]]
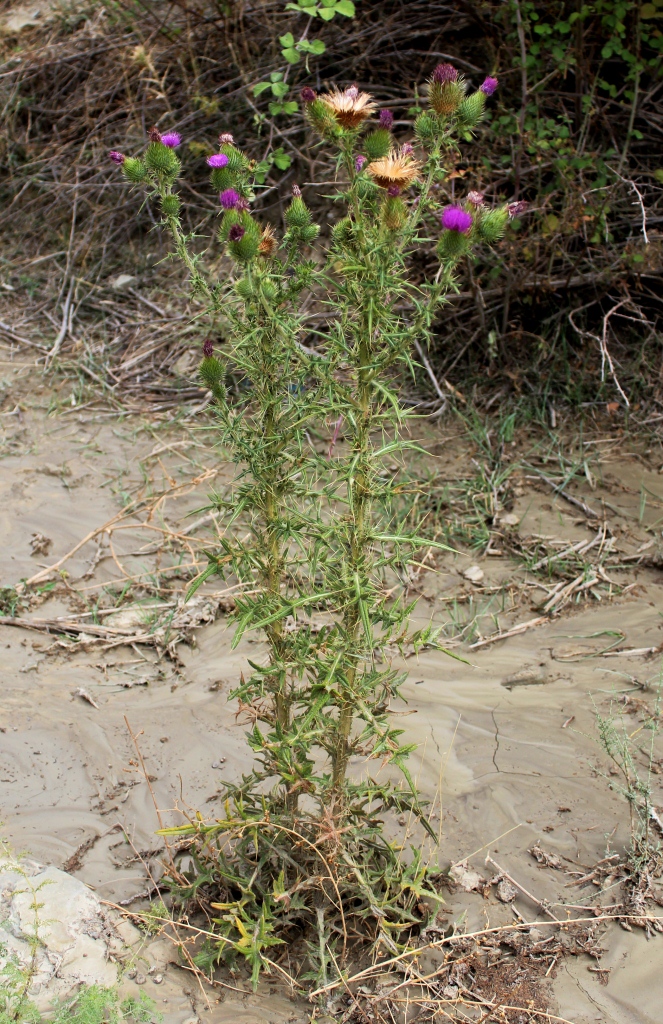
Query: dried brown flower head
[[350, 108], [396, 170], [267, 243]]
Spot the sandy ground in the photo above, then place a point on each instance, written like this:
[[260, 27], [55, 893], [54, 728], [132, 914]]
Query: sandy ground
[[508, 740]]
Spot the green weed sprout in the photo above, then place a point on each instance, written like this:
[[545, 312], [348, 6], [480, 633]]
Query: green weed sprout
[[317, 331]]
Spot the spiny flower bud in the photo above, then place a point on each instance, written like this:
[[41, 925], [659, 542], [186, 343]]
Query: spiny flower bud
[[322, 119], [488, 86], [117, 158], [161, 158], [472, 108], [308, 95], [226, 139], [445, 73], [244, 240], [236, 159], [377, 143], [217, 160], [386, 119], [212, 372], [134, 169], [170, 206], [297, 215], [454, 218], [492, 223], [222, 179], [452, 245], [171, 139], [394, 212], [230, 199], [446, 96], [425, 128]]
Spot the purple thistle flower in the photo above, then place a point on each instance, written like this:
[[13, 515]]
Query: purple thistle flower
[[456, 219], [217, 160], [243, 204], [445, 73], [352, 92], [393, 191], [489, 86], [226, 139], [407, 149], [171, 139], [515, 209], [229, 199], [386, 119], [308, 94], [296, 191], [236, 233], [476, 198], [117, 158], [359, 162], [208, 348]]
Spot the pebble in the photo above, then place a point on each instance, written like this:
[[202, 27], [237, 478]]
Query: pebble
[[158, 978], [140, 979]]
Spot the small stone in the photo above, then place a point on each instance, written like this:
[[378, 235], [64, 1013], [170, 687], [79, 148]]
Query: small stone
[[140, 979], [121, 282], [474, 574], [163, 739], [131, 973], [151, 969], [215, 764], [158, 978], [506, 893], [510, 519]]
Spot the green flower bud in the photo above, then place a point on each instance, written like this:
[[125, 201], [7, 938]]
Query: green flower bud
[[268, 289], [425, 128], [492, 223], [343, 233], [452, 245], [446, 97], [394, 213], [309, 233], [229, 218], [244, 288], [161, 159], [222, 178], [472, 109], [212, 373], [134, 170], [322, 119], [298, 214], [170, 205], [236, 159], [366, 188], [245, 248], [377, 144]]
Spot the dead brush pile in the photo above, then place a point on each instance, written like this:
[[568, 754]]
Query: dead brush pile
[[572, 299]]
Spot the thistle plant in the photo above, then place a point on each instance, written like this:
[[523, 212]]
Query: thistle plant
[[311, 538]]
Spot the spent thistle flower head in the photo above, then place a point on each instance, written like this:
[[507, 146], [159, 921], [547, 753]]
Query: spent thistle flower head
[[488, 86], [217, 160], [226, 139], [386, 119], [208, 348], [515, 209], [171, 139], [308, 94], [445, 73], [455, 218], [154, 135], [236, 233], [296, 191], [350, 108], [117, 158], [229, 199], [475, 198], [396, 169], [359, 162]]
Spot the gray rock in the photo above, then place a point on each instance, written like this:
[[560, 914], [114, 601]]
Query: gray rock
[[78, 942]]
